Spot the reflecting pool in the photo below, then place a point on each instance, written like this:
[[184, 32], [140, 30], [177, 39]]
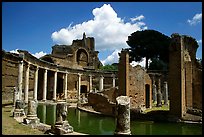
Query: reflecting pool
[[95, 124]]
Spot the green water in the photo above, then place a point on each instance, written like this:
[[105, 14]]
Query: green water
[[94, 124]]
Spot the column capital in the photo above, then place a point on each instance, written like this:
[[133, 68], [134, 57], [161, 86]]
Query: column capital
[[101, 76], [79, 74]]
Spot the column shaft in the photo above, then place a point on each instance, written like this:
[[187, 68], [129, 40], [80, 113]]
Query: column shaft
[[55, 86], [79, 86], [65, 86], [45, 85], [90, 83], [36, 84], [26, 84], [101, 83], [20, 79]]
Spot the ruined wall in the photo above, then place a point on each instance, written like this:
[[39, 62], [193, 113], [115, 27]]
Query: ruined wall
[[182, 74], [197, 88], [139, 80], [10, 75], [111, 93], [101, 103]]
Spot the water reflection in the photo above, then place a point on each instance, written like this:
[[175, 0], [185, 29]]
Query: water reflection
[[101, 125]]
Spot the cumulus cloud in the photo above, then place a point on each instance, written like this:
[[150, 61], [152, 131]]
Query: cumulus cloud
[[39, 54], [113, 58], [137, 18], [196, 19], [14, 51], [109, 30]]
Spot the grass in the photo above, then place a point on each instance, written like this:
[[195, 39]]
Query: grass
[[163, 107], [11, 127]]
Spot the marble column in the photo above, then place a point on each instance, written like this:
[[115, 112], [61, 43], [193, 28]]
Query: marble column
[[55, 86], [79, 86], [113, 80], [20, 79], [36, 84], [123, 116], [65, 86], [159, 95], [90, 83], [165, 93], [26, 84], [101, 83], [15, 96], [45, 85]]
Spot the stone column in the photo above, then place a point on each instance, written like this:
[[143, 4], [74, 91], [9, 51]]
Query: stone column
[[123, 115], [65, 86], [32, 114], [165, 93], [36, 84], [15, 96], [101, 83], [90, 83], [26, 84], [61, 126], [55, 86], [79, 86], [113, 80], [45, 85], [159, 95], [154, 89], [20, 79]]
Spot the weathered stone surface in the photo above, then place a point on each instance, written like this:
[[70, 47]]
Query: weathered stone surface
[[123, 115], [62, 125]]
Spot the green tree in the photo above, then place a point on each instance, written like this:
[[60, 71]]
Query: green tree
[[108, 67], [149, 44]]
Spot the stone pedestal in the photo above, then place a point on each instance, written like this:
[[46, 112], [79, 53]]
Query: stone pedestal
[[19, 109], [62, 125], [123, 116], [32, 118]]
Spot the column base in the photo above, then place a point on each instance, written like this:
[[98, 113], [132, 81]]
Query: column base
[[18, 113], [34, 121], [62, 128]]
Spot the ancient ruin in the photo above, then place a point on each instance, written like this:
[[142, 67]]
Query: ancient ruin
[[71, 74], [185, 76]]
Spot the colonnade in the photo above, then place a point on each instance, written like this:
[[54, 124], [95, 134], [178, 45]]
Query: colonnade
[[45, 79]]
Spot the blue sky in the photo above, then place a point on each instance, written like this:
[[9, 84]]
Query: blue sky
[[37, 26]]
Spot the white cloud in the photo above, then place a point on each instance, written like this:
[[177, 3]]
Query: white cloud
[[137, 18], [39, 54], [199, 41], [113, 58], [109, 30], [196, 19], [14, 51]]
